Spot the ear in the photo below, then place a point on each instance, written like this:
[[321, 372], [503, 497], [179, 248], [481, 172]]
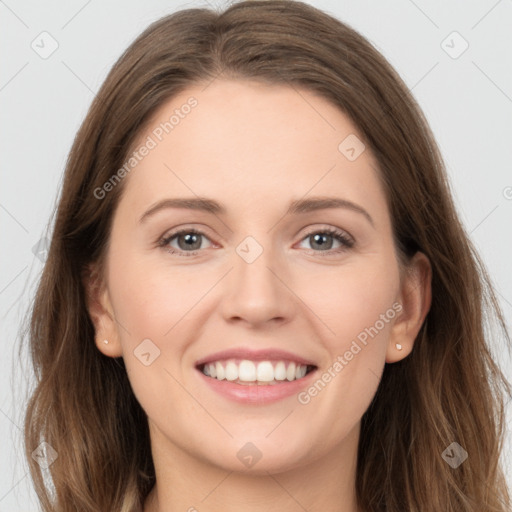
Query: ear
[[415, 297], [101, 313]]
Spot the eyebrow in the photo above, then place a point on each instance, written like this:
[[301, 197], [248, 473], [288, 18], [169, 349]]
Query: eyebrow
[[296, 207]]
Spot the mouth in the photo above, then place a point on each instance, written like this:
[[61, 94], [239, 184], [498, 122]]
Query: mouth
[[255, 377], [247, 372]]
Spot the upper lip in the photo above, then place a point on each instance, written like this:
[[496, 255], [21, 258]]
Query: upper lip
[[254, 355]]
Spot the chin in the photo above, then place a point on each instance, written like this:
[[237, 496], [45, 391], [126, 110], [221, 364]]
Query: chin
[[260, 456]]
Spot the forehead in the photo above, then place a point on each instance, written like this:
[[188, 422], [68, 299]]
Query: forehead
[[247, 142]]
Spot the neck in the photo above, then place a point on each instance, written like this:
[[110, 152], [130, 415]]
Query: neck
[[185, 483]]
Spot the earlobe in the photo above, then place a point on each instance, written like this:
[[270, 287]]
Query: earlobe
[[100, 311], [415, 298]]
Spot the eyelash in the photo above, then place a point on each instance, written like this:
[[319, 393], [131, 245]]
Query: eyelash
[[342, 237]]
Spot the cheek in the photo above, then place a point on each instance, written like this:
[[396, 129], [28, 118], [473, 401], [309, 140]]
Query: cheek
[[352, 297], [150, 305], [151, 298], [357, 306], [160, 303]]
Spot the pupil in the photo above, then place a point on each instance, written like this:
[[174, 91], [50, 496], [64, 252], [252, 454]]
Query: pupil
[[190, 240], [318, 240]]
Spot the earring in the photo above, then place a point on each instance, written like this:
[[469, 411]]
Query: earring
[[398, 346], [106, 342]]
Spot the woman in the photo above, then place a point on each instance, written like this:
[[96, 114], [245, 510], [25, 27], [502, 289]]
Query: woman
[[258, 294]]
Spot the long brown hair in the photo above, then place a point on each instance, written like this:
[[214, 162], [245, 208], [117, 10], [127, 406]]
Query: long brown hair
[[448, 390]]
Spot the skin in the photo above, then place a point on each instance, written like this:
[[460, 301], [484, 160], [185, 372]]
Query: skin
[[254, 148]]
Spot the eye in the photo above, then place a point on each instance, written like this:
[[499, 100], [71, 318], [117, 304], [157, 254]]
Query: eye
[[322, 240], [189, 242]]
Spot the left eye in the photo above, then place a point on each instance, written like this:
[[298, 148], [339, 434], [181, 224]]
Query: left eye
[[325, 238]]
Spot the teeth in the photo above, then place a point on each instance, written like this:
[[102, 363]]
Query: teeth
[[219, 371], [247, 371], [280, 371], [290, 373], [231, 371], [264, 372], [300, 372]]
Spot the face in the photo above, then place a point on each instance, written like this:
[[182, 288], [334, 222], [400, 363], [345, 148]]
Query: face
[[288, 266]]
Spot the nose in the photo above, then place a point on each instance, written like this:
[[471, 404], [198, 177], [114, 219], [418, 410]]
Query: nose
[[257, 292]]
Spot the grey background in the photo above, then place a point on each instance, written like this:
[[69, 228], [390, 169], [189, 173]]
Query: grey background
[[467, 100]]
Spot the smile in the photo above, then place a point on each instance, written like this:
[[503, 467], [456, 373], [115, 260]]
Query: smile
[[255, 377], [261, 373]]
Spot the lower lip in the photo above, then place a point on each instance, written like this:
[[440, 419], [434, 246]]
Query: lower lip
[[257, 394]]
